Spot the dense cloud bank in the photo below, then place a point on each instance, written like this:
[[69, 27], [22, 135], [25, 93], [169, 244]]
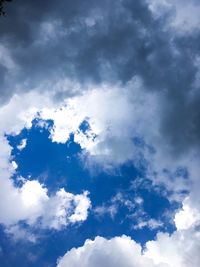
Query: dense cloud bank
[[107, 42]]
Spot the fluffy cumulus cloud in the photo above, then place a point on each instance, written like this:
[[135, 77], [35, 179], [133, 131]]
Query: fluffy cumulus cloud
[[113, 120], [142, 46], [35, 206], [120, 251], [180, 249]]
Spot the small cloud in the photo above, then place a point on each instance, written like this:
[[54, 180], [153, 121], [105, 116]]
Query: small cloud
[[22, 145], [14, 164], [18, 233], [103, 210], [151, 224]]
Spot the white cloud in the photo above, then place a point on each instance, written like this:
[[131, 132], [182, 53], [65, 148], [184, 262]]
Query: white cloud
[[22, 145], [14, 115], [150, 224], [32, 203], [65, 208], [188, 216], [181, 249], [14, 164], [115, 116], [118, 251]]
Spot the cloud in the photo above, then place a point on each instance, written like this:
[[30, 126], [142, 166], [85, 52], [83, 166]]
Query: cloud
[[112, 43], [18, 233], [188, 216], [110, 132], [34, 205], [181, 249], [112, 207], [65, 208], [150, 224], [120, 251], [22, 145], [180, 20]]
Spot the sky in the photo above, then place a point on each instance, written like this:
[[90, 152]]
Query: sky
[[100, 133]]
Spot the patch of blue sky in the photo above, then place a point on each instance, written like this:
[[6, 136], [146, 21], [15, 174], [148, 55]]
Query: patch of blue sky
[[59, 165]]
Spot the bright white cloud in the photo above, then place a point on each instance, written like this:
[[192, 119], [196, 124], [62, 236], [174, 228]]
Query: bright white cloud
[[118, 251], [180, 249], [32, 203], [14, 115], [65, 208], [188, 216], [14, 164], [115, 116]]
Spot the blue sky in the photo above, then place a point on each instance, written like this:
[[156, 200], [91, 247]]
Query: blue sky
[[99, 134], [46, 160]]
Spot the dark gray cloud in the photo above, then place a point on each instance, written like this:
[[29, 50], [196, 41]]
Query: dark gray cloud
[[105, 41], [116, 46]]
